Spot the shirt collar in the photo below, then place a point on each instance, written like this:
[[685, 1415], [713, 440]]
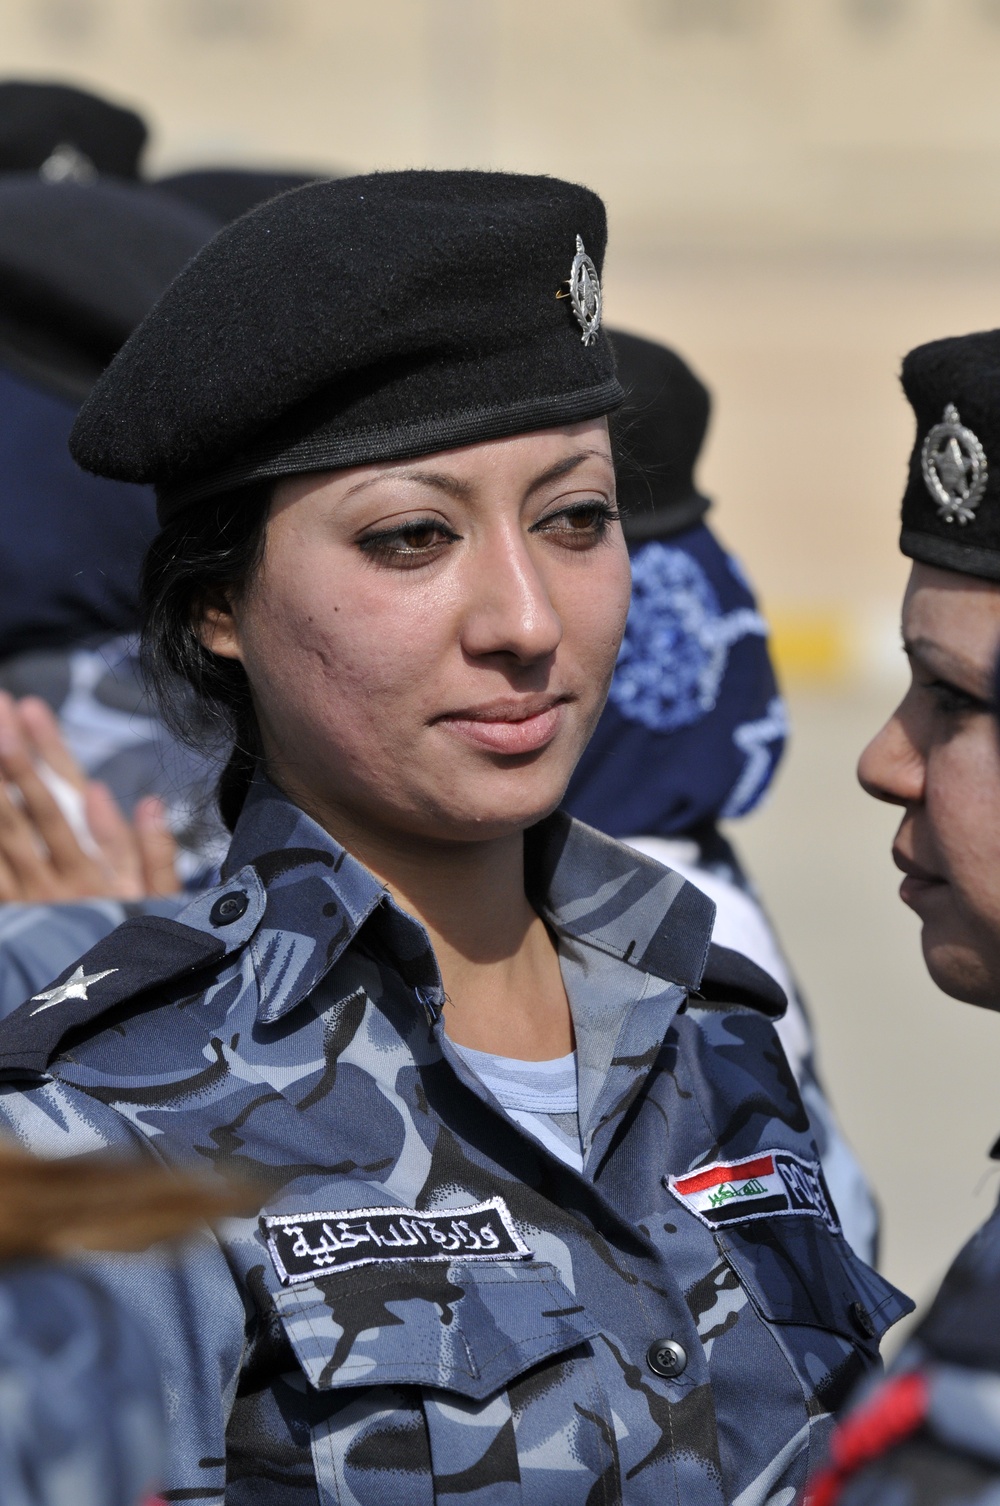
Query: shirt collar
[[584, 884], [608, 895]]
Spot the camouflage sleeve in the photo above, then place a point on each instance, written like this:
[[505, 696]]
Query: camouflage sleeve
[[184, 1301], [81, 1417]]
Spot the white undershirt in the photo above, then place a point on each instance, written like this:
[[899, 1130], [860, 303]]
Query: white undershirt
[[539, 1096]]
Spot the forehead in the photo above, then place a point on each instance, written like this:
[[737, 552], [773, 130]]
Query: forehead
[[518, 459], [538, 448], [960, 613]]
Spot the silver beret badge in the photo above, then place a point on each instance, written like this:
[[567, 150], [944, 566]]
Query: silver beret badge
[[954, 468], [585, 293]]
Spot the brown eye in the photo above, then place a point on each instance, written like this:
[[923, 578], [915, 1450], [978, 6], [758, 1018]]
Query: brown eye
[[423, 537], [579, 526], [408, 545]]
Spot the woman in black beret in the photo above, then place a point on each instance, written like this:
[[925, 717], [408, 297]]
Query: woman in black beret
[[931, 1432], [542, 1217]]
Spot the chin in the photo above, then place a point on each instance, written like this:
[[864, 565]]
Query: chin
[[960, 970], [489, 808], [494, 825]]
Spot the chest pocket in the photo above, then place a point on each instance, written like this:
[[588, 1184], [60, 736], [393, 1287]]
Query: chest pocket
[[430, 1379], [461, 1328], [796, 1272]]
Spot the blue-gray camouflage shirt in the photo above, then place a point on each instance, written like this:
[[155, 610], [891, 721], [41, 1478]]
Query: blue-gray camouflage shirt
[[433, 1308]]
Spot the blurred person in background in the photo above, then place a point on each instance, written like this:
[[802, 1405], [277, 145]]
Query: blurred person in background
[[82, 259], [82, 1398], [375, 413], [931, 1432], [694, 724], [122, 812], [67, 135], [227, 192]]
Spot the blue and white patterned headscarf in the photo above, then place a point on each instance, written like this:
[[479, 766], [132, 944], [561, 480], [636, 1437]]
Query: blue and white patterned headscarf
[[694, 725]]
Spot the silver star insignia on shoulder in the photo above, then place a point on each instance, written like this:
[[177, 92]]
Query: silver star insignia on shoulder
[[953, 463], [585, 293], [74, 988]]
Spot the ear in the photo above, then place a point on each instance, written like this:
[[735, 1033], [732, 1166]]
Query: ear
[[215, 624]]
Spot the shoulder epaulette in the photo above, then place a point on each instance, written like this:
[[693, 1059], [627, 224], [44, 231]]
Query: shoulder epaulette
[[143, 953], [731, 978]]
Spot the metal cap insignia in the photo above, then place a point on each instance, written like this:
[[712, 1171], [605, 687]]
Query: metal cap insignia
[[585, 293], [953, 463]]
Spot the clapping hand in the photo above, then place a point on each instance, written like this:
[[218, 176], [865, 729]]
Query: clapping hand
[[63, 836]]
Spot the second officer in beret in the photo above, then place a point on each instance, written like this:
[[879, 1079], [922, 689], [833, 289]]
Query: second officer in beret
[[930, 1435], [544, 1220]]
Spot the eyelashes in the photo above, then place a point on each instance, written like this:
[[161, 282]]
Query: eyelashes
[[955, 702], [580, 526], [408, 544], [589, 520]]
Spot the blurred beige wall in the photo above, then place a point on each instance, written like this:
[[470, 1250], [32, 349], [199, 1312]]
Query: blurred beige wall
[[704, 122]]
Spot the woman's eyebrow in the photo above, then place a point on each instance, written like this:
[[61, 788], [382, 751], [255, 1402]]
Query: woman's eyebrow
[[453, 485], [463, 490], [563, 467]]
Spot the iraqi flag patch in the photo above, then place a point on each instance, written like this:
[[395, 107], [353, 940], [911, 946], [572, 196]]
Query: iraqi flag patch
[[773, 1182]]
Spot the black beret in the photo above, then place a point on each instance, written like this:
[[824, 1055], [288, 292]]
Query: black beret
[[80, 266], [360, 320], [658, 435], [227, 192], [951, 506], [66, 132]]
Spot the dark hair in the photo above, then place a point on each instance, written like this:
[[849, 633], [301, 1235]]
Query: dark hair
[[204, 698]]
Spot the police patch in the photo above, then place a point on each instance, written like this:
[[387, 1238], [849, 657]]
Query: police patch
[[760, 1186], [306, 1245]]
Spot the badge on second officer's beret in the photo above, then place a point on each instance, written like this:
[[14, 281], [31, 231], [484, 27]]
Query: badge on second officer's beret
[[585, 293], [953, 463]]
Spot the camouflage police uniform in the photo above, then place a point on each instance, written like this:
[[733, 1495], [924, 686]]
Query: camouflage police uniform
[[434, 1307]]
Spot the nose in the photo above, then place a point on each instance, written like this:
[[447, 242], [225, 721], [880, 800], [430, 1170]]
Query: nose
[[509, 608], [892, 767]]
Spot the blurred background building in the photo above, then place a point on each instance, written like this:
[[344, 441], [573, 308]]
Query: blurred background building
[[800, 190]]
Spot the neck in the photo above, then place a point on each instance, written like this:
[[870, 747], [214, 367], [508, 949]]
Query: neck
[[498, 964]]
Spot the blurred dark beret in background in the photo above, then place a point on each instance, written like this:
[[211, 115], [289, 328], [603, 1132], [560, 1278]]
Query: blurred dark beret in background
[[658, 433], [227, 192], [66, 133], [80, 266], [359, 320], [951, 506]]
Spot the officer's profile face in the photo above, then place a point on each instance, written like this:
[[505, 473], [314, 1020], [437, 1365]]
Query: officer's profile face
[[429, 642], [938, 757]]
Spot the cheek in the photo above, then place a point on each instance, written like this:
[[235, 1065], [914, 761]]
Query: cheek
[[333, 647], [963, 805], [593, 610]]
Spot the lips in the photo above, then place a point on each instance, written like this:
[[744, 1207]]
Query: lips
[[510, 724], [918, 882]]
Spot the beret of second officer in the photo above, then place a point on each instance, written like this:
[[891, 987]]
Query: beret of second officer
[[658, 435], [951, 506], [359, 320]]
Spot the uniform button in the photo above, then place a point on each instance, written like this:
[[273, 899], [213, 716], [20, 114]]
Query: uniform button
[[229, 908], [861, 1318], [667, 1358]]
